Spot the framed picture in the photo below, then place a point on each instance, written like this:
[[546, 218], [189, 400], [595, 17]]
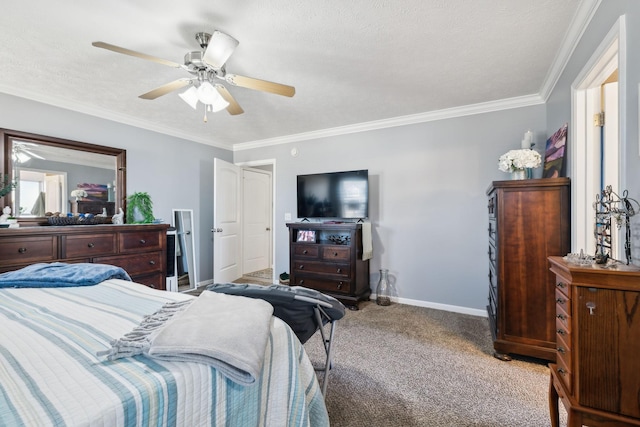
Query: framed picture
[[306, 236], [95, 192], [555, 154]]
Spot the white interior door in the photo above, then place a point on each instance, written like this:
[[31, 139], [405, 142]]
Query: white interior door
[[256, 214], [227, 255]]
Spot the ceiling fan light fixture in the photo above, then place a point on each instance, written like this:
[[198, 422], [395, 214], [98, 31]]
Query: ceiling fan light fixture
[[220, 48], [190, 96], [219, 104], [207, 94]]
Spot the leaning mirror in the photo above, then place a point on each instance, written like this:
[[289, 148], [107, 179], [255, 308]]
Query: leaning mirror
[[182, 220], [59, 175]]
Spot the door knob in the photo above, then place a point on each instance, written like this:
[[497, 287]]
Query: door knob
[[268, 228]]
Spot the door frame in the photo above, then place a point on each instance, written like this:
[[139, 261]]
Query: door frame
[[612, 52], [272, 163]]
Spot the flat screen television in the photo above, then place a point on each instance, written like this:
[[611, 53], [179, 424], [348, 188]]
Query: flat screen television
[[340, 195]]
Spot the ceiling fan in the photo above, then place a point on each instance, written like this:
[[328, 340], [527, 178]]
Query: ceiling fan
[[22, 152], [207, 67]]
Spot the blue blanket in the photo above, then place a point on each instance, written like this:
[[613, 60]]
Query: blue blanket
[[59, 274]]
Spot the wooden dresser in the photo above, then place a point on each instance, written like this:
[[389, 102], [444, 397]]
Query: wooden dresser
[[331, 262], [528, 222], [139, 249], [597, 374]]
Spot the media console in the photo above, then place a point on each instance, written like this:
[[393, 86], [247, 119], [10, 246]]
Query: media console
[[328, 257]]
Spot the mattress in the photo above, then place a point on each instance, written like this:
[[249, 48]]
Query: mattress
[[50, 374]]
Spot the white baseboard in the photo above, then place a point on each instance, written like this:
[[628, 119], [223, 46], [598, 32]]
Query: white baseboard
[[437, 306]]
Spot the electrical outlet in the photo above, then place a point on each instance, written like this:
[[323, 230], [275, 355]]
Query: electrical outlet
[[287, 216]]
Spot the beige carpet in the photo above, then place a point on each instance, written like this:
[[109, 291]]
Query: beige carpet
[[409, 366]]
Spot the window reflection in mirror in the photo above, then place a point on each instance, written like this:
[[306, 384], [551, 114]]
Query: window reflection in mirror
[[48, 170]]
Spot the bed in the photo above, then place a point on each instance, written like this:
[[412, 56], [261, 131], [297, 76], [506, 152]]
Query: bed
[[51, 374]]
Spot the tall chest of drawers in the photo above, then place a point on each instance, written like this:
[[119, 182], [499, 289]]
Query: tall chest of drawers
[[597, 373], [139, 249], [328, 258], [529, 220]]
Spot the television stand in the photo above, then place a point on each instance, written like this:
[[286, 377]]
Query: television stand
[[331, 262]]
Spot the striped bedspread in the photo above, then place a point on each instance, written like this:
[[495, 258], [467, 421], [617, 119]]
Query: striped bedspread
[[50, 374]]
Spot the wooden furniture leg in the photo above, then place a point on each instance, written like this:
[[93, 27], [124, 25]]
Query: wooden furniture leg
[[553, 404]]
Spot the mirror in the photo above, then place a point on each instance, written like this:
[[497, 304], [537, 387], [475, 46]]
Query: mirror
[[49, 169], [182, 220]]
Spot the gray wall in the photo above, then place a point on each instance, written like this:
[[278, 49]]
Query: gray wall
[[428, 202], [428, 181], [176, 173], [559, 103]]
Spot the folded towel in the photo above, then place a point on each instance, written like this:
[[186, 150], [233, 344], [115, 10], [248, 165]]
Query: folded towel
[[59, 274], [367, 241], [227, 332]]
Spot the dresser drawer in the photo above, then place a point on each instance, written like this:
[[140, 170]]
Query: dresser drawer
[[563, 301], [492, 256], [88, 245], [28, 250], [138, 264], [562, 286], [563, 371], [564, 351], [563, 329], [302, 250], [563, 319], [492, 230], [343, 270], [336, 253], [155, 281], [328, 285], [140, 241]]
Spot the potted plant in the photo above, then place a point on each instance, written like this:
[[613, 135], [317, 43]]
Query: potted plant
[[139, 209], [6, 186]]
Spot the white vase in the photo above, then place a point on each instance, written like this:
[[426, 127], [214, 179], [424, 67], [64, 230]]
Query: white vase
[[518, 174]]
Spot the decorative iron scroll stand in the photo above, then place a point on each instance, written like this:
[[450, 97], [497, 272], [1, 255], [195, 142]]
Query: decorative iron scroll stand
[[608, 204]]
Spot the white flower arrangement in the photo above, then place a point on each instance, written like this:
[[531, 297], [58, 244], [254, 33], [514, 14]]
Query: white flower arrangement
[[78, 193], [514, 160]]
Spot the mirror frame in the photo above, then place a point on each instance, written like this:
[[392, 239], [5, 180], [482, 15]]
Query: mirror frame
[[6, 147]]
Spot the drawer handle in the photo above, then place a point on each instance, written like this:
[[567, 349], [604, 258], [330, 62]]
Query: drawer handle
[[340, 285], [301, 282], [152, 262], [339, 270], [561, 371], [305, 252], [561, 317], [22, 250], [561, 332], [335, 254], [561, 300], [301, 267], [91, 245], [142, 241], [561, 285], [560, 350]]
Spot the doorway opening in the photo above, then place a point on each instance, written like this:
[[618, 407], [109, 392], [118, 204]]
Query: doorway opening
[[597, 137], [258, 222]]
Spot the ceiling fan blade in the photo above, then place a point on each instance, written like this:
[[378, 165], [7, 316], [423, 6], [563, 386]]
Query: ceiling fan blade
[[263, 85], [129, 52], [233, 108], [165, 89], [219, 49], [32, 154]]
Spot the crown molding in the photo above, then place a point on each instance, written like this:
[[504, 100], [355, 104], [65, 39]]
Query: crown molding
[[101, 113], [449, 113], [585, 12]]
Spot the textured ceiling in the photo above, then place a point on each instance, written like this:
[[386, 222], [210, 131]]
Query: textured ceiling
[[351, 62]]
